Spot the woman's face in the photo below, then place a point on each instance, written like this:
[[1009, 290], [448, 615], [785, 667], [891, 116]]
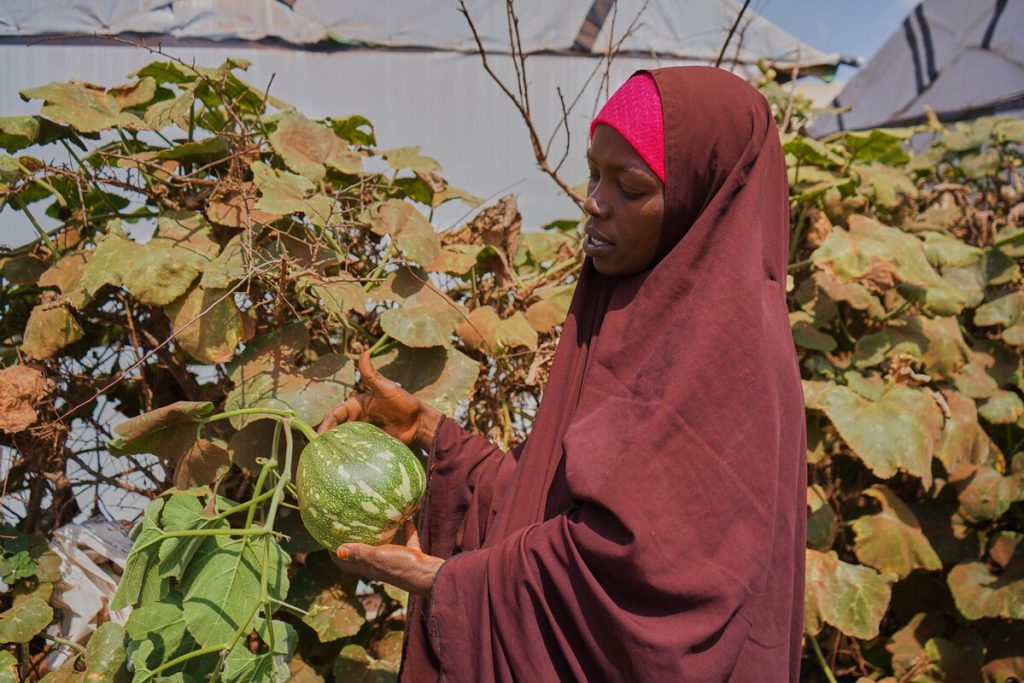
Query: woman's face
[[625, 205]]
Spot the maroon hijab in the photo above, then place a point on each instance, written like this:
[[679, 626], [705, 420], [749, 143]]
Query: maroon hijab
[[653, 526]]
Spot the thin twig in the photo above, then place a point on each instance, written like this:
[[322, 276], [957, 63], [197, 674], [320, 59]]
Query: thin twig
[[728, 38]]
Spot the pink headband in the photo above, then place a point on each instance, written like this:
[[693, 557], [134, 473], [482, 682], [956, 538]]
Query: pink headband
[[634, 110]]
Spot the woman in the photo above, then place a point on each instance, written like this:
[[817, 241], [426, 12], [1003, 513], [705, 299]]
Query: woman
[[651, 528]]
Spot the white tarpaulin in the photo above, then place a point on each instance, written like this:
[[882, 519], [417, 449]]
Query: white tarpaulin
[[962, 59], [410, 66]]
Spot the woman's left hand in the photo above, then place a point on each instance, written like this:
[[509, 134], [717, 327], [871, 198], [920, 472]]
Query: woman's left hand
[[405, 566]]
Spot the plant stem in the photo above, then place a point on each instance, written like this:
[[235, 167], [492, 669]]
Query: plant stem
[[21, 206], [303, 427], [184, 658], [244, 506], [269, 465], [381, 343], [821, 659], [62, 641]]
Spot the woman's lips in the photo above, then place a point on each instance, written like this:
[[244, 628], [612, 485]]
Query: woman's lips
[[595, 246]]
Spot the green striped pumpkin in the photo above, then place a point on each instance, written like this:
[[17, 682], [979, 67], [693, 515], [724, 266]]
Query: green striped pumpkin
[[357, 484]]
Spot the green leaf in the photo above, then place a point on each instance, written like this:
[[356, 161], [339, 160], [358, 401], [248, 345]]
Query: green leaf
[[146, 433], [850, 597], [892, 541], [979, 593], [88, 108], [329, 597], [141, 579], [810, 151], [23, 621], [553, 307], [900, 431], [412, 232], [943, 249], [984, 493], [355, 665], [890, 187], [199, 151], [442, 377], [222, 586], [807, 336], [426, 317], [999, 267], [1003, 407], [8, 668], [410, 157], [282, 193], [350, 128], [877, 145], [307, 148], [1007, 311], [183, 512], [876, 254], [174, 111], [273, 382], [208, 324], [821, 520], [105, 653], [51, 327], [337, 295], [457, 259], [156, 632], [66, 275], [242, 666], [483, 329]]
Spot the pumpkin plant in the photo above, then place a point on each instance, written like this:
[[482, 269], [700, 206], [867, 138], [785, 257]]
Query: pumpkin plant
[[209, 263]]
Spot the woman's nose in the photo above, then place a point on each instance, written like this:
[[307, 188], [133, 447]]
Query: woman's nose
[[592, 207]]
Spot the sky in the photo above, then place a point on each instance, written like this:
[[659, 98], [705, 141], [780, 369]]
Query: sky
[[856, 28]]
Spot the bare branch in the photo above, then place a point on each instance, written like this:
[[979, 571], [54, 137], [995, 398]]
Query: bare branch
[[728, 38]]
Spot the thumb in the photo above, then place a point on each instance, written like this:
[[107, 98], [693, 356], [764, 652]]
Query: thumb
[[377, 383]]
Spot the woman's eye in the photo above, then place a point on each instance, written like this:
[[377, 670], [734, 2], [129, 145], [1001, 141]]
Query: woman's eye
[[630, 195]]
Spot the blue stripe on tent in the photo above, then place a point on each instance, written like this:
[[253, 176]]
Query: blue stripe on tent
[[986, 42], [592, 25], [926, 37], [908, 30], [839, 115]]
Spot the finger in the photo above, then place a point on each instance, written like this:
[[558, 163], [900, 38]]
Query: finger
[[378, 383], [351, 409], [329, 422], [412, 536]]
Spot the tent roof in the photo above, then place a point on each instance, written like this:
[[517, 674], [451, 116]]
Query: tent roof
[[678, 29], [962, 59]]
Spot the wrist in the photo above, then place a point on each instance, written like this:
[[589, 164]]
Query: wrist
[[426, 429]]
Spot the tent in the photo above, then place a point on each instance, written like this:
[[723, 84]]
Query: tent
[[410, 66], [962, 59]]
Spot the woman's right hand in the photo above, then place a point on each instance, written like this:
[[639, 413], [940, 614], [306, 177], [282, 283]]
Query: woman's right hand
[[389, 406]]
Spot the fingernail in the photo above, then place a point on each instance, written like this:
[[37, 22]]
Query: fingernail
[[342, 552]]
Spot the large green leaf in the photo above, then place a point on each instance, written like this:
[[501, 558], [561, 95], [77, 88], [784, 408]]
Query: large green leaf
[[308, 147], [427, 316], [222, 586], [141, 579], [282, 193], [1007, 311], [985, 493], [183, 512], [442, 377], [333, 610], [208, 324], [552, 307], [156, 632], [483, 329], [892, 540], [243, 666], [51, 327], [850, 597], [88, 108], [410, 229], [979, 593], [105, 653], [942, 249], [23, 621], [900, 431], [269, 381], [337, 295]]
